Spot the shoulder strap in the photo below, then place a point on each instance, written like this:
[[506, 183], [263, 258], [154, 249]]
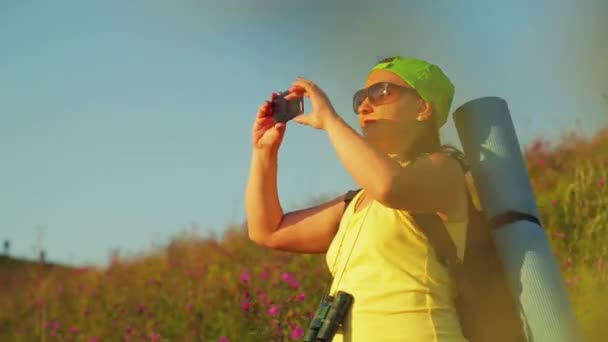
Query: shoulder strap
[[348, 197], [440, 240], [433, 228]]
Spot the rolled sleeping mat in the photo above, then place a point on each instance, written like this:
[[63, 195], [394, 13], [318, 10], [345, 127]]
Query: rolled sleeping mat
[[491, 147]]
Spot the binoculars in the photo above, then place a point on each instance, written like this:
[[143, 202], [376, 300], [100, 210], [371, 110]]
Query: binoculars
[[329, 316]]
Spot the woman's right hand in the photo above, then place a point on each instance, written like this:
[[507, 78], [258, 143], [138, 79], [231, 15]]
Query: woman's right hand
[[267, 135]]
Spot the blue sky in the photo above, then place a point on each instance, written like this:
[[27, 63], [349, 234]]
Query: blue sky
[[123, 123]]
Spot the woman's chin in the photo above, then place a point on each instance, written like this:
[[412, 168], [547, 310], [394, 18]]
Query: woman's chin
[[381, 136]]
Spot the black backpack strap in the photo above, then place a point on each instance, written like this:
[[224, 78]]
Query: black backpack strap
[[440, 240], [442, 243], [432, 226], [348, 197], [511, 216]]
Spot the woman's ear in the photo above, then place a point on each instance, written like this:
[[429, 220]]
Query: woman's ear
[[424, 111]]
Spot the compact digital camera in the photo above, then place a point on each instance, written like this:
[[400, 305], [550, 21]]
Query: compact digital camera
[[285, 110]]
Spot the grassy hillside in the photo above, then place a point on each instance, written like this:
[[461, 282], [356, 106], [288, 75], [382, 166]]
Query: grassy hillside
[[14, 272], [10, 263], [202, 289]]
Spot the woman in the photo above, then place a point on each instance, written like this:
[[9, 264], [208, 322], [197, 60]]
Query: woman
[[374, 250]]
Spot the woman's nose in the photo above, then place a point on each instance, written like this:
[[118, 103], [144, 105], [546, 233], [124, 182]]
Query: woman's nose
[[365, 107]]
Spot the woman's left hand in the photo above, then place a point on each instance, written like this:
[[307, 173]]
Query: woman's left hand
[[322, 109]]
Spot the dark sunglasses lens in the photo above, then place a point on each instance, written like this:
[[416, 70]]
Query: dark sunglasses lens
[[378, 91], [358, 99]]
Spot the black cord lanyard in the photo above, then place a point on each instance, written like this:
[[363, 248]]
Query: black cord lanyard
[[351, 249]]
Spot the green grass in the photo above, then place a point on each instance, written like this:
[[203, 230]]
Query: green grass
[[201, 289]]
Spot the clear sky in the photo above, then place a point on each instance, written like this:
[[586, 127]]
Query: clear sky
[[123, 123]]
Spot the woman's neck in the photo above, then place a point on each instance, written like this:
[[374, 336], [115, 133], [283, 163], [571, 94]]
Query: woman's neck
[[424, 143]]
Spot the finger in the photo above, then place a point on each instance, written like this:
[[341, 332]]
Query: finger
[[298, 88], [259, 131], [264, 110], [280, 126], [303, 119], [262, 125], [294, 95], [307, 88], [276, 130], [297, 93], [306, 84], [265, 122]]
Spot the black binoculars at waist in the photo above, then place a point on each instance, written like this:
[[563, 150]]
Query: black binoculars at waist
[[329, 316]]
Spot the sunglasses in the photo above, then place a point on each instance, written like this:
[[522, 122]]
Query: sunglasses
[[379, 93]]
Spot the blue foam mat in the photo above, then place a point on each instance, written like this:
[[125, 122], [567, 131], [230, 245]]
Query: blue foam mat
[[499, 172]]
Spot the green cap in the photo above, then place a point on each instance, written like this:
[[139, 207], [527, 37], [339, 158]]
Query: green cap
[[429, 81]]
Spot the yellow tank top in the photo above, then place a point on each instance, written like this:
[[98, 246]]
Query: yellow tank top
[[401, 291]]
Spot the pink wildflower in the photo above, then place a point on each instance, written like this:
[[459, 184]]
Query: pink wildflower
[[273, 310], [223, 339], [287, 277], [246, 305], [300, 297], [297, 333], [245, 277], [290, 279]]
